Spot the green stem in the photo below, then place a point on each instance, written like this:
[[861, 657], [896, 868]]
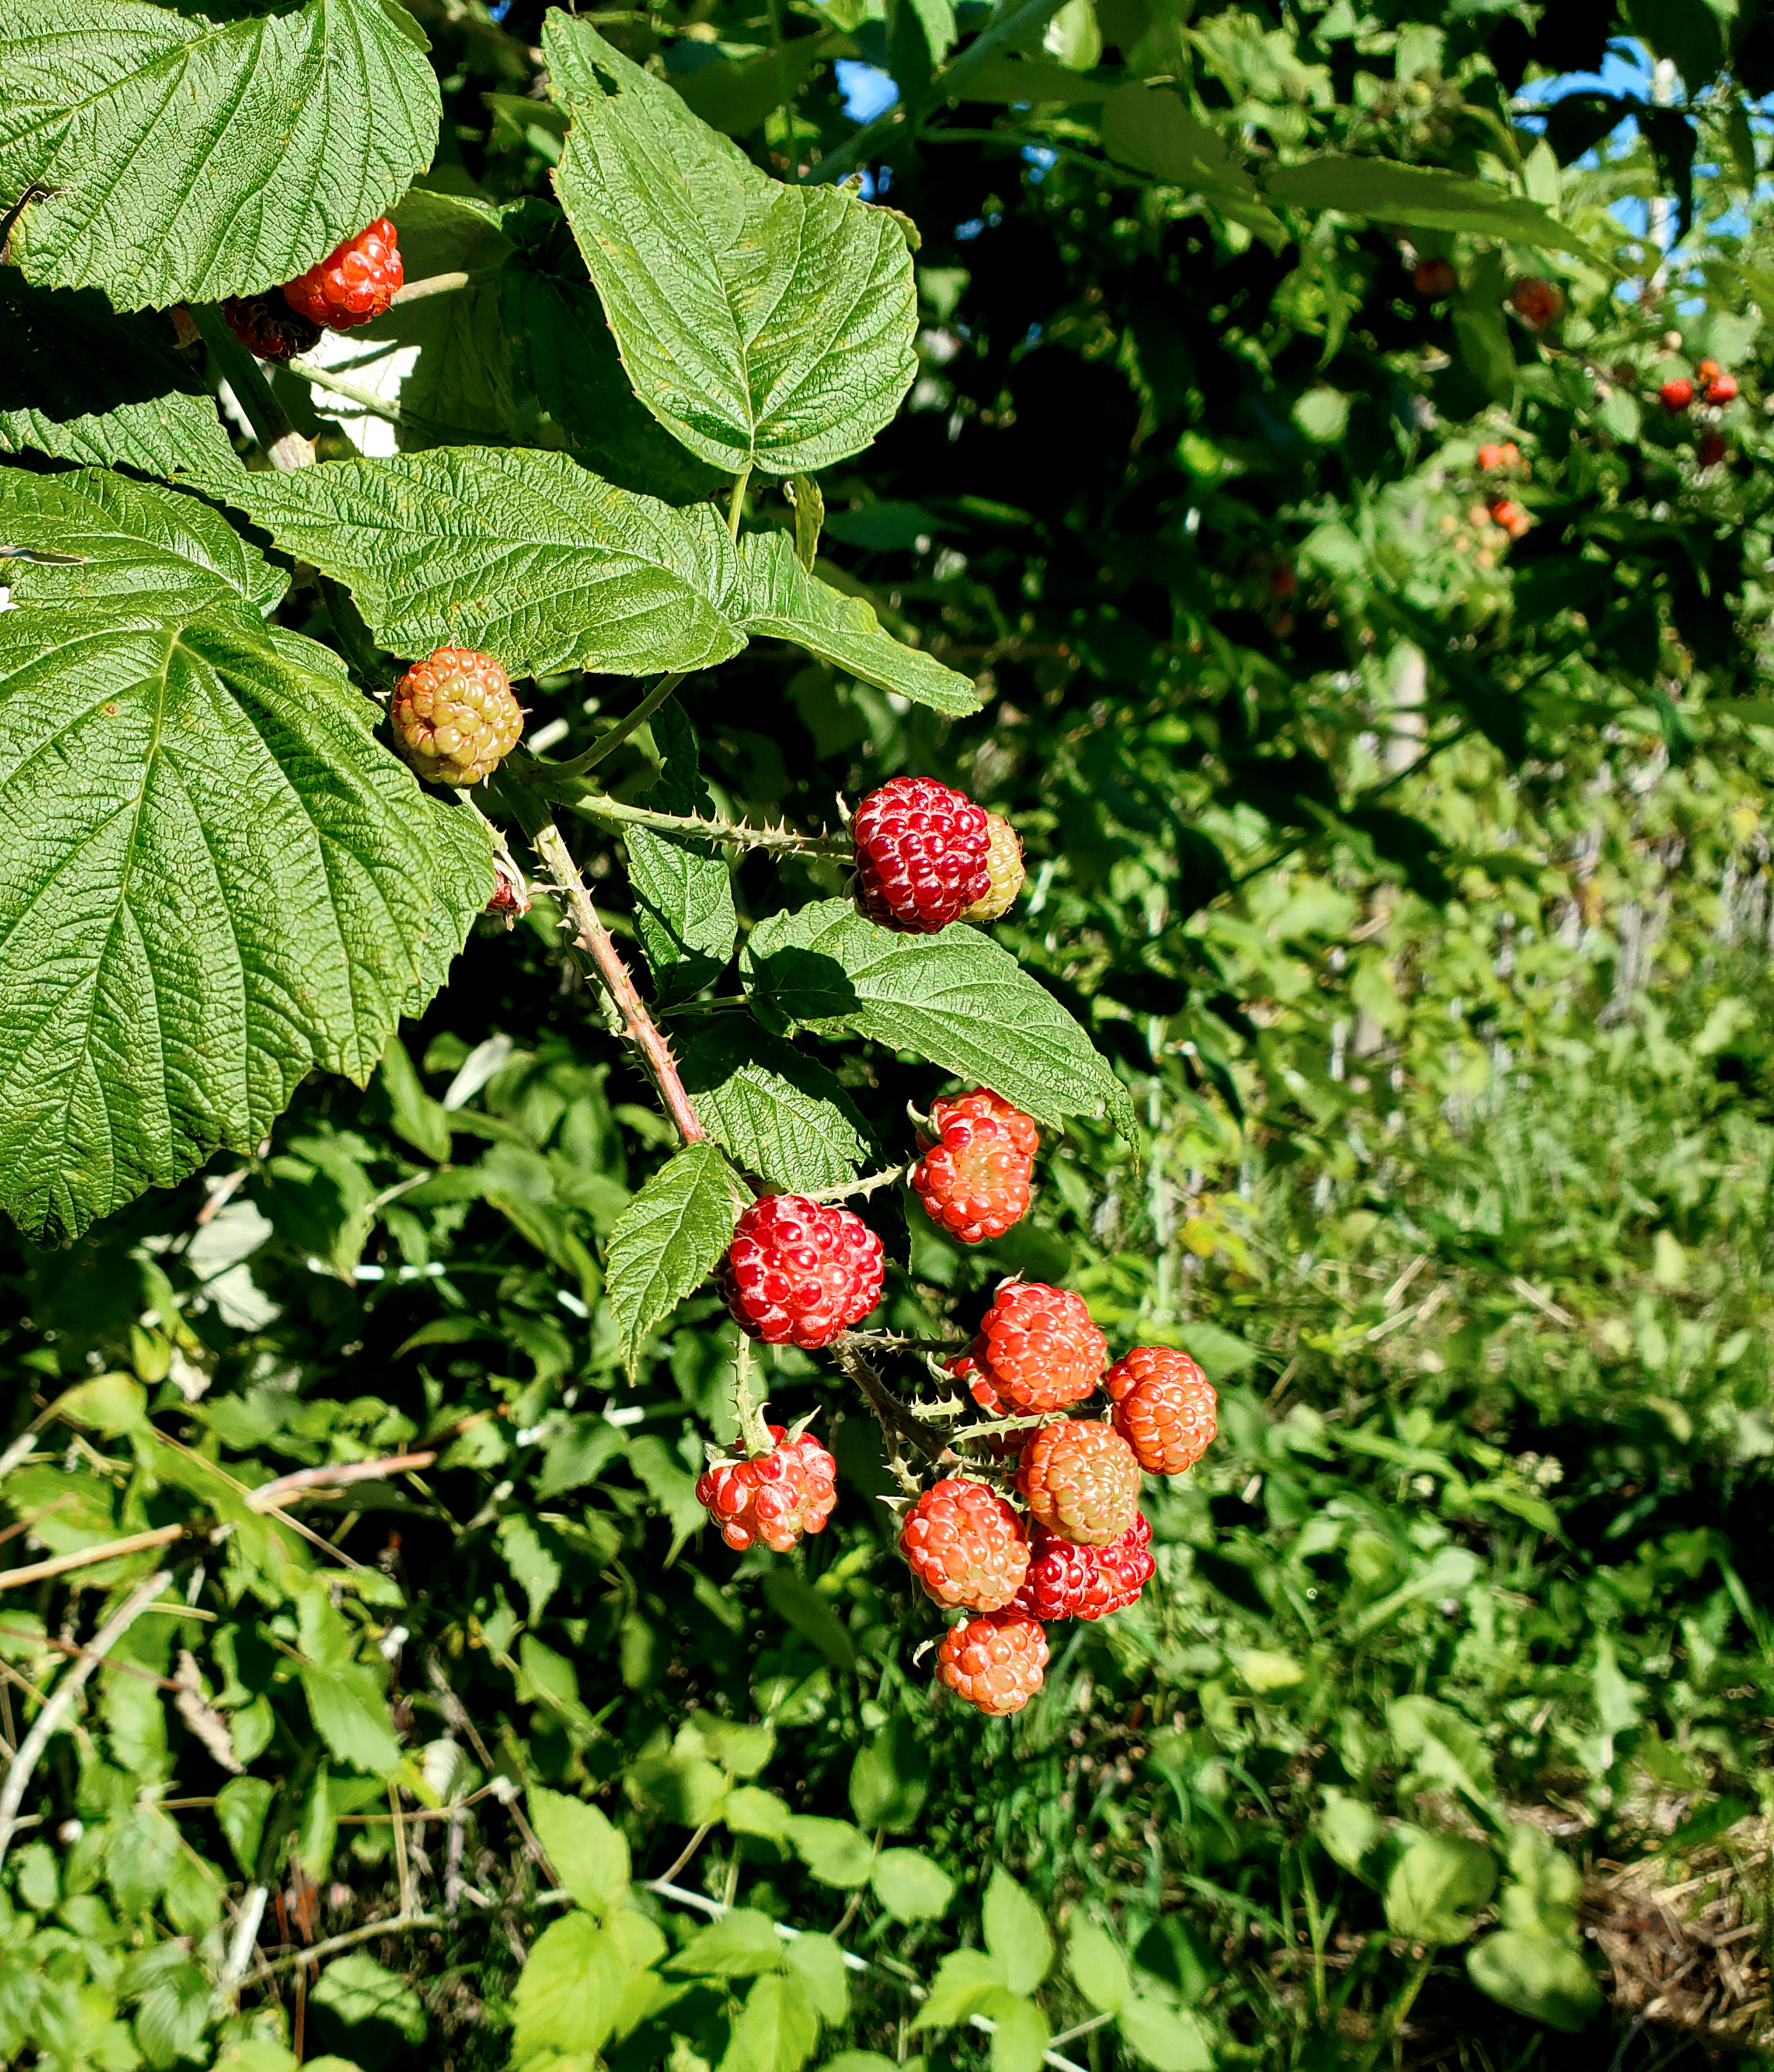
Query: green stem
[[433, 284], [287, 448], [1393, 2019], [748, 1413], [616, 813], [736, 507], [608, 744], [366, 398]]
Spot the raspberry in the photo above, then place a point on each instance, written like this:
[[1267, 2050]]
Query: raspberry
[[1511, 516], [966, 1545], [1710, 450], [355, 283], [774, 1497], [1069, 1581], [1123, 1568], [1434, 278], [1708, 370], [994, 1662], [798, 1272], [1722, 389], [974, 1180], [267, 326], [1003, 867], [1509, 455], [922, 854], [454, 716], [1081, 1481], [1676, 395], [1038, 1349], [1537, 302], [1164, 1407]]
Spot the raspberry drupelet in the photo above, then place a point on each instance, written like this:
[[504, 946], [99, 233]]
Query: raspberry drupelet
[[798, 1272], [923, 854]]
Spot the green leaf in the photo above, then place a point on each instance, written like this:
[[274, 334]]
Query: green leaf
[[797, 1604], [175, 2002], [1149, 129], [835, 1851], [750, 1809], [196, 159], [1098, 1968], [1436, 1886], [217, 880], [1168, 2038], [668, 1237], [533, 1568], [739, 1943], [783, 600], [350, 1715], [240, 1807], [777, 1112], [1019, 82], [83, 384], [526, 555], [818, 1963], [1017, 1934], [954, 998], [965, 1981], [777, 2028], [569, 1992], [912, 1886], [890, 1779], [358, 1992], [589, 1856], [113, 1404], [734, 95], [764, 326], [1422, 195], [683, 900], [1350, 1830], [1536, 1976], [1019, 2033]]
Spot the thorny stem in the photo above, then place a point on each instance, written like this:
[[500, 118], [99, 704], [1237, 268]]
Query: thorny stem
[[593, 937], [896, 1420], [284, 444], [857, 1189], [748, 1413], [619, 813]]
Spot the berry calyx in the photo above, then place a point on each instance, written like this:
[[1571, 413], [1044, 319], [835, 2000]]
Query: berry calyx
[[994, 1662], [1675, 396], [355, 283], [974, 1179], [1493, 457], [1722, 389], [1037, 1349], [775, 1497], [454, 716], [268, 327], [1537, 302], [1165, 1407], [1435, 278], [798, 1272], [1710, 450], [511, 899], [965, 1545], [922, 852], [1081, 1481], [1004, 869]]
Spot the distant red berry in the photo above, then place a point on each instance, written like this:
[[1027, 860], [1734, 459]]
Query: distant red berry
[[355, 283], [454, 716], [1435, 278], [1709, 449], [974, 1179], [1537, 302], [1511, 516], [1080, 1480], [994, 1662], [1676, 395], [1038, 1349], [1004, 869], [798, 1272], [1507, 455], [1165, 1407], [966, 1545], [1722, 389], [776, 1497], [1708, 370], [922, 855], [267, 326]]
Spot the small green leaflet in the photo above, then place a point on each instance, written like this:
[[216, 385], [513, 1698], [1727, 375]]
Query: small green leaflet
[[190, 922], [764, 326], [669, 1237], [684, 901], [781, 1115], [1420, 195], [954, 998], [195, 159]]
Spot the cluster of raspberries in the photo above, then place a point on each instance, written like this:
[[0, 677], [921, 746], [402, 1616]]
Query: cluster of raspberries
[[355, 284]]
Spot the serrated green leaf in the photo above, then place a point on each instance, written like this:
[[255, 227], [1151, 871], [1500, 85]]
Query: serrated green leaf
[[750, 1809], [780, 1114], [1435, 1887], [1423, 195], [358, 1992], [782, 600], [818, 1963], [350, 1715], [1015, 1930], [1019, 2032], [1098, 1969], [668, 1237], [684, 901], [777, 2029], [570, 1990], [175, 2000], [764, 326], [240, 1807], [83, 384], [589, 1856], [199, 159], [911, 1885], [216, 879], [741, 1942], [954, 998]]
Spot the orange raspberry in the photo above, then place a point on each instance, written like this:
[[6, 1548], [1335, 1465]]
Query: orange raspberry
[[1164, 1407], [1080, 1480], [994, 1662], [974, 1179], [454, 716], [965, 1545], [1038, 1349], [1537, 302]]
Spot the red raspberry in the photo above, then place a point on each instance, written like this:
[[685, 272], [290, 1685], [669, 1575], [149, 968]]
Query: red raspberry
[[798, 1272], [1676, 395], [454, 716], [1708, 370], [1434, 278], [1507, 455], [1038, 1349], [974, 1180], [1123, 1568], [1537, 302], [355, 283], [994, 1662], [1003, 868], [966, 1545], [1722, 389], [774, 1497], [1081, 1481], [1069, 1581], [922, 855], [1710, 450], [1513, 520], [267, 326], [511, 899], [1164, 1407]]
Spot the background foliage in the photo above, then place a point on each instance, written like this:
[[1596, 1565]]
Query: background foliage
[[1416, 880]]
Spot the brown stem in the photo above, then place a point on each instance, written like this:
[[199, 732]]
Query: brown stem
[[897, 1420], [286, 1489], [112, 1550], [593, 937]]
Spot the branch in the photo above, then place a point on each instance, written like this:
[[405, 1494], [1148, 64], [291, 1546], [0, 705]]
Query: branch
[[287, 1489], [595, 939], [59, 1565], [31, 1749], [896, 1420], [333, 1944], [617, 813], [284, 444], [607, 744], [857, 1189]]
